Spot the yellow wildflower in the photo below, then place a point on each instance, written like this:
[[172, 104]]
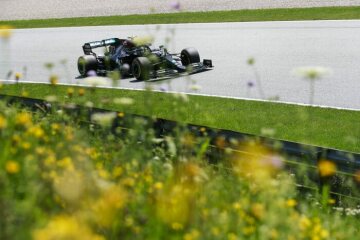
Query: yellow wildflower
[[177, 226], [215, 231], [291, 203], [121, 114], [274, 234], [236, 205], [26, 145], [173, 205], [70, 92], [256, 163], [158, 185], [65, 227], [36, 131], [54, 79], [24, 93], [324, 233], [81, 92], [5, 31], [192, 235], [257, 210], [103, 174], [128, 182], [105, 209], [66, 163], [357, 176], [18, 76], [55, 126], [326, 168], [232, 236], [12, 167], [23, 119], [304, 223], [248, 230], [117, 171], [3, 122]]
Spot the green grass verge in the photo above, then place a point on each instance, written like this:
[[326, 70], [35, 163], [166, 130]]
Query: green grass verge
[[331, 128], [290, 14]]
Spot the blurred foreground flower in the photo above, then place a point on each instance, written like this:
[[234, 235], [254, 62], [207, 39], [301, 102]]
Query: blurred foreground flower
[[106, 208], [3, 122], [357, 176], [12, 167], [81, 92], [173, 206], [54, 79], [104, 119], [23, 119], [251, 61], [65, 227], [5, 31], [175, 5], [70, 92], [326, 168], [143, 40], [312, 73], [256, 162], [70, 185], [124, 101], [291, 203], [195, 87], [18, 76], [95, 81]]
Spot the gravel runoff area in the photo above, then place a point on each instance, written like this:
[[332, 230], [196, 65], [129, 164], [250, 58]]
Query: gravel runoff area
[[40, 9]]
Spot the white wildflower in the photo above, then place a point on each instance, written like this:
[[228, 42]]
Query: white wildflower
[[104, 119], [96, 81], [51, 98], [123, 101], [195, 87], [268, 132], [182, 96], [312, 73], [89, 104]]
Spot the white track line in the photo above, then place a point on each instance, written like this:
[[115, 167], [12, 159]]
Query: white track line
[[191, 94]]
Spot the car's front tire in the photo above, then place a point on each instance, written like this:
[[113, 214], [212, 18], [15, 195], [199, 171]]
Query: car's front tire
[[141, 68], [87, 63], [189, 56]]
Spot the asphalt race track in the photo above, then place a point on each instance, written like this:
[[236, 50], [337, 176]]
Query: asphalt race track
[[278, 48], [31, 9]]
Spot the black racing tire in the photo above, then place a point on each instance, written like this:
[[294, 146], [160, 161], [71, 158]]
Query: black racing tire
[[189, 56], [141, 68], [87, 63]]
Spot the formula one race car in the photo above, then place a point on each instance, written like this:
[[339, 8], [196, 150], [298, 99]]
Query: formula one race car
[[141, 61]]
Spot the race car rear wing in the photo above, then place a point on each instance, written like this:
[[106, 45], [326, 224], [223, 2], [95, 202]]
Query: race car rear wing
[[88, 47]]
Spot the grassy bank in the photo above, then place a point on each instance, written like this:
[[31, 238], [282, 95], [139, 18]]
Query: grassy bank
[[312, 125], [323, 13]]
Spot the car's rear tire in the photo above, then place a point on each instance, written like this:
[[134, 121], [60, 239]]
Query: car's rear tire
[[87, 63], [189, 56], [141, 68]]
